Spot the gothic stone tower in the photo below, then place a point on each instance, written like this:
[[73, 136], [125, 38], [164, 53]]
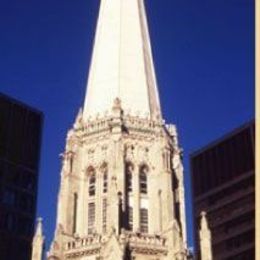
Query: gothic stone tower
[[121, 192]]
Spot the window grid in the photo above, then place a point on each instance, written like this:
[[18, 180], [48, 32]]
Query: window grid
[[130, 218], [91, 217], [104, 215], [129, 182], [105, 182], [92, 183], [143, 182], [144, 220]]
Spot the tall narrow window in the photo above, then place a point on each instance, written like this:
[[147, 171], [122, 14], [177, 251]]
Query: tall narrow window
[[10, 222], [9, 197], [104, 215], [92, 184], [105, 182], [143, 179], [144, 220], [75, 206], [160, 208], [91, 217], [130, 218], [129, 177]]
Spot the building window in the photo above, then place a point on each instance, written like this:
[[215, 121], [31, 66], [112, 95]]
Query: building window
[[104, 172], [105, 182], [130, 218], [129, 177], [143, 179], [25, 226], [144, 220], [26, 202], [28, 181], [75, 208], [104, 215], [129, 182], [10, 222], [92, 184], [91, 217], [9, 197]]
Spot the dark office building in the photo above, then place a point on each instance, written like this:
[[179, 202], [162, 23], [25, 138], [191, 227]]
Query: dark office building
[[20, 142], [223, 185]]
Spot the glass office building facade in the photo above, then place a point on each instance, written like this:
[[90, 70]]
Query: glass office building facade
[[223, 179], [20, 142]]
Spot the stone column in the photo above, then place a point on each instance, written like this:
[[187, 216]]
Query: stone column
[[98, 201], [178, 168], [160, 219], [168, 190], [154, 203], [182, 210], [114, 206], [63, 201], [82, 203], [170, 209]]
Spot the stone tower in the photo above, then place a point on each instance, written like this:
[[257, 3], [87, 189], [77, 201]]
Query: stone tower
[[121, 192]]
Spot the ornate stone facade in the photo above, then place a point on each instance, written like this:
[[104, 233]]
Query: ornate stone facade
[[121, 192], [103, 166]]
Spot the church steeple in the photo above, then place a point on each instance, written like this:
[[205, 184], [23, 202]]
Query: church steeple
[[122, 64], [121, 192]]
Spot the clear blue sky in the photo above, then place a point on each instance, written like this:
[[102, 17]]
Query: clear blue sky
[[204, 57]]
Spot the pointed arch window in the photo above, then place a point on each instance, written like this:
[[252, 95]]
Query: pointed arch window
[[92, 182], [105, 181], [129, 177], [143, 179]]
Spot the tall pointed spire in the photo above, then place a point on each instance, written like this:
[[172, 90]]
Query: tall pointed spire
[[122, 64]]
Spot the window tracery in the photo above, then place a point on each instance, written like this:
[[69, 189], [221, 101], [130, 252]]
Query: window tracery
[[91, 182], [144, 220], [129, 177], [143, 179]]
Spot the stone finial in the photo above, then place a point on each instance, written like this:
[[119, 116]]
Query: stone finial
[[117, 103], [172, 130], [117, 111], [56, 245], [38, 242], [39, 227], [204, 222], [205, 238]]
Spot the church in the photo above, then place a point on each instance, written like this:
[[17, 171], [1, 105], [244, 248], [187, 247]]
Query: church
[[121, 193]]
